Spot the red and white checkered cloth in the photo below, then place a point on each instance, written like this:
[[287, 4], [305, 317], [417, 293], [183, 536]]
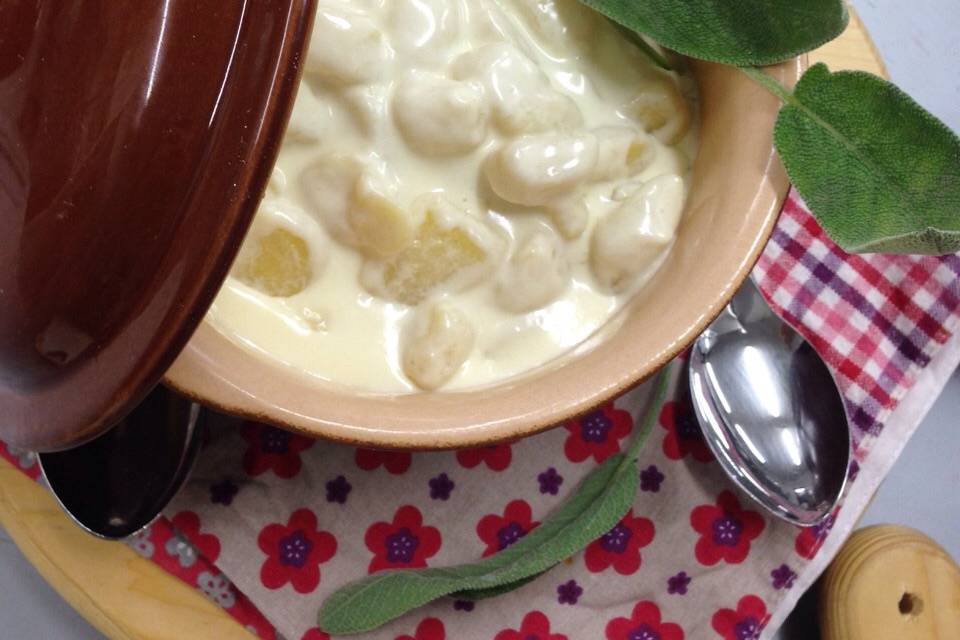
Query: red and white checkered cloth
[[876, 319], [289, 520]]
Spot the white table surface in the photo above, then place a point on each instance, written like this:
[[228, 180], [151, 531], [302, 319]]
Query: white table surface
[[918, 40]]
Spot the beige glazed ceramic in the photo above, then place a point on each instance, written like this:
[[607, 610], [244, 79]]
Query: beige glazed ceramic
[[737, 189]]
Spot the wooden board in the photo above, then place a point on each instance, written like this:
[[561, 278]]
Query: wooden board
[[129, 598], [123, 595], [853, 50]]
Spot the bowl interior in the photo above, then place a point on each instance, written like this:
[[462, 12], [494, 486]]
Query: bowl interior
[[738, 186]]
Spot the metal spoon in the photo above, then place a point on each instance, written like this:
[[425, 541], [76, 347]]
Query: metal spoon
[[119, 483], [770, 411]]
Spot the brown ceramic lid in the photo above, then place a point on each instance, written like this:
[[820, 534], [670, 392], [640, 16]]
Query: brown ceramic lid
[[136, 139]]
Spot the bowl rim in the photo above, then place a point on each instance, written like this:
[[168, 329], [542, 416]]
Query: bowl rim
[[197, 374]]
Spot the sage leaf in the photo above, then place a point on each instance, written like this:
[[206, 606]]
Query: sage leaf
[[736, 32], [879, 173], [595, 507], [483, 594], [640, 437]]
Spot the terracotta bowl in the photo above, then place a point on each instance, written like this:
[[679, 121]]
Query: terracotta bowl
[[738, 187]]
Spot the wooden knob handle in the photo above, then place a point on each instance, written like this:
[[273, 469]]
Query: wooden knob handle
[[891, 582]]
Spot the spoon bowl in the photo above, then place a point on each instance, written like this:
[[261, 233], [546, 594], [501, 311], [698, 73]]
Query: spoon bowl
[[770, 411], [116, 484]]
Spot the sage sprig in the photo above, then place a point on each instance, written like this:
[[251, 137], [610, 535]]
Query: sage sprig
[[735, 32], [596, 506], [878, 172]]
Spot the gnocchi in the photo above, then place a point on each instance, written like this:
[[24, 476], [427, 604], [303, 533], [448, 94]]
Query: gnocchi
[[310, 119], [621, 152], [436, 345], [450, 249], [355, 200], [536, 274], [420, 29], [570, 215], [558, 24], [381, 227], [439, 116], [346, 47], [628, 240], [663, 112], [539, 170], [523, 99], [467, 189], [328, 183], [284, 252]]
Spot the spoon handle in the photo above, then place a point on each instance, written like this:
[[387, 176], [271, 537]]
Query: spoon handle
[[747, 304], [116, 484]]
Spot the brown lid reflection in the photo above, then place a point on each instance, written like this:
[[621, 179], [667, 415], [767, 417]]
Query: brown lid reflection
[[135, 141]]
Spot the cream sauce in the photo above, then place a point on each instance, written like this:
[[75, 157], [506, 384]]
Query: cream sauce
[[432, 96]]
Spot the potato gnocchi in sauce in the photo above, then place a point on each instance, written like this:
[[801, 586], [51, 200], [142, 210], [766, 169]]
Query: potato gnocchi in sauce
[[467, 190]]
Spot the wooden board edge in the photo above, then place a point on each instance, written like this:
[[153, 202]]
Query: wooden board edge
[[853, 50], [125, 596]]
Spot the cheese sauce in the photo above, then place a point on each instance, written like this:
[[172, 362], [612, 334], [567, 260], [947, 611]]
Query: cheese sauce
[[467, 190]]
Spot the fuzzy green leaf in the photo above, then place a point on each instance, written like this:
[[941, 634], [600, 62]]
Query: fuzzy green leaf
[[737, 32], [598, 504], [879, 172], [492, 592]]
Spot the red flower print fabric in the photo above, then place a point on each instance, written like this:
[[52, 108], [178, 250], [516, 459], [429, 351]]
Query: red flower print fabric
[[26, 461], [295, 552], [247, 614], [404, 542], [725, 529], [683, 433], [181, 547], [620, 546], [315, 634], [395, 462], [428, 629], [535, 626], [499, 532], [270, 449], [497, 457], [644, 623], [597, 434], [810, 539], [187, 523], [743, 623]]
